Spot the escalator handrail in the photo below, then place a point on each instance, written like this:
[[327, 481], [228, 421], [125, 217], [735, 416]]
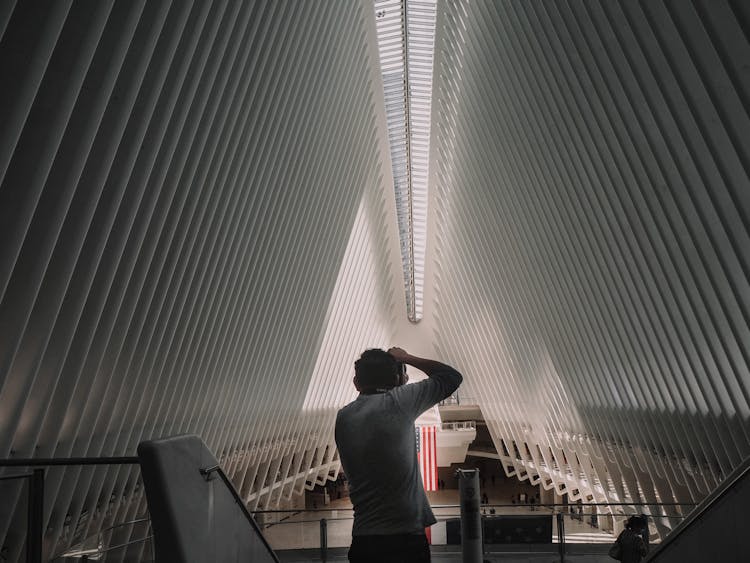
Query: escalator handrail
[[217, 469], [738, 474]]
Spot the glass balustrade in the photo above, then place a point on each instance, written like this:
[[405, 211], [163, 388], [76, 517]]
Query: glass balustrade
[[503, 524], [542, 528]]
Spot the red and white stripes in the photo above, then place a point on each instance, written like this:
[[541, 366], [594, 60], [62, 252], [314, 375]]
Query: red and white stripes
[[427, 456]]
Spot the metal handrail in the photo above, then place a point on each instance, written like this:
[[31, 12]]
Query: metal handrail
[[536, 505], [207, 472], [36, 494], [138, 521], [35, 516], [459, 425], [35, 524], [17, 476], [604, 532], [51, 461], [734, 477], [126, 544]]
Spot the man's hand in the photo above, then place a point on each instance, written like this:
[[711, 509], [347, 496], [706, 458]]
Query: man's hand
[[400, 354], [448, 377]]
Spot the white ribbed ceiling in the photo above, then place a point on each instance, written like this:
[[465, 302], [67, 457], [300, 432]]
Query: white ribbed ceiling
[[199, 234], [591, 252]]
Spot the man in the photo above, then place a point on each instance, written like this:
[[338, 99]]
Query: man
[[377, 445]]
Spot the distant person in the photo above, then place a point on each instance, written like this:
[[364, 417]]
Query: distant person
[[376, 440], [643, 523], [632, 544]]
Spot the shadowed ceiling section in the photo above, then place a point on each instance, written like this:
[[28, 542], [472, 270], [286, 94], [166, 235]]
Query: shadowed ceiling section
[[592, 253], [179, 186]]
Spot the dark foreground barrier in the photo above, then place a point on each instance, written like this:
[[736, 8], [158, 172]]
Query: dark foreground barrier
[[716, 530], [196, 514]]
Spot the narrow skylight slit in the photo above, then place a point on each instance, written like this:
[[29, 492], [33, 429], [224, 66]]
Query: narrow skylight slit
[[406, 40]]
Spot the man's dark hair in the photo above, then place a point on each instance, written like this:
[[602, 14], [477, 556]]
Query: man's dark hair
[[376, 369], [636, 523]]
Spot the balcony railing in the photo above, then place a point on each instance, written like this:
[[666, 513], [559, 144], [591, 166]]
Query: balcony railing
[[459, 426], [579, 529], [35, 478], [595, 525], [115, 540]]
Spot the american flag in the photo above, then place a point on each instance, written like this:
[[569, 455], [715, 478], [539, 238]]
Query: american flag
[[427, 456]]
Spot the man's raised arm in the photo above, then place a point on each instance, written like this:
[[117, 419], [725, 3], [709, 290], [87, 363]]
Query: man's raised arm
[[448, 378]]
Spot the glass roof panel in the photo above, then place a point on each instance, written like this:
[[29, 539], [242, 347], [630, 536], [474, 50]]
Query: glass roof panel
[[406, 40]]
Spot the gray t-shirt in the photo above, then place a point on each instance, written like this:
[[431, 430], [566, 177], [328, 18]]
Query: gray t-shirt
[[376, 440]]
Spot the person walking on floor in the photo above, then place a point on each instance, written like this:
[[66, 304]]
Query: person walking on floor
[[632, 544]]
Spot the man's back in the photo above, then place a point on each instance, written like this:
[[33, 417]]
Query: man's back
[[377, 445], [376, 439]]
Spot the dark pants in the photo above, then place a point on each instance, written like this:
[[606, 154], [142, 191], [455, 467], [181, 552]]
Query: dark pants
[[399, 548]]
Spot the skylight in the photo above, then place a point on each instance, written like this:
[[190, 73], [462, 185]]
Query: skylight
[[406, 39]]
